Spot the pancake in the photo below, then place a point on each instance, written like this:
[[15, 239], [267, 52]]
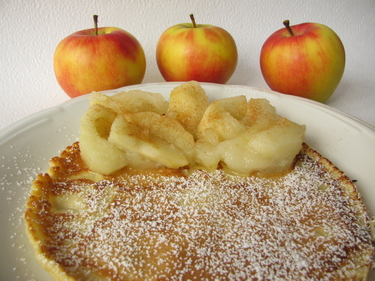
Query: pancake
[[189, 224]]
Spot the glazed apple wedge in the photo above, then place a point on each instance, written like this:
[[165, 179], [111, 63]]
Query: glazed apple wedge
[[268, 151], [132, 101], [224, 117], [188, 102], [154, 136], [96, 151]]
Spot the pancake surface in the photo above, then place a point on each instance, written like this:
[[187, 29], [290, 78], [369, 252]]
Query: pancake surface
[[176, 224]]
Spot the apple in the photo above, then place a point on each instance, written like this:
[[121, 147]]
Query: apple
[[98, 59], [306, 60], [200, 52]]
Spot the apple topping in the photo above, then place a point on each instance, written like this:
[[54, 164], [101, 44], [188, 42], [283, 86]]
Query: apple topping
[[224, 117], [142, 130], [252, 139], [267, 151], [187, 104], [132, 101], [97, 152], [154, 136]]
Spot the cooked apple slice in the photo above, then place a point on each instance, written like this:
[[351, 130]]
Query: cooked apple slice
[[155, 136], [261, 113], [187, 104], [224, 116], [236, 106], [207, 155], [271, 150], [132, 101], [97, 152]]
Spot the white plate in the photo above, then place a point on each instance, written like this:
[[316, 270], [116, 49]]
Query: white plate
[[28, 144]]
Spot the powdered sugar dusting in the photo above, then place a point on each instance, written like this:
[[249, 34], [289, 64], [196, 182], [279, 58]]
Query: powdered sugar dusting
[[207, 227]]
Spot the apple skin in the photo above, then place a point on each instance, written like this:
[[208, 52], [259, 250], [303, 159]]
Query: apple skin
[[204, 53], [309, 64], [86, 62]]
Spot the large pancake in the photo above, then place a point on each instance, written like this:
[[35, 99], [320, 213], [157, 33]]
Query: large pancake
[[176, 224]]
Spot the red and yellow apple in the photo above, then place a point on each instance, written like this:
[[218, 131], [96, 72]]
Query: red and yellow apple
[[306, 60], [98, 59], [200, 52]]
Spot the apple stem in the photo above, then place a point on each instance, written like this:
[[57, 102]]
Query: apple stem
[[96, 24], [286, 23], [193, 20]]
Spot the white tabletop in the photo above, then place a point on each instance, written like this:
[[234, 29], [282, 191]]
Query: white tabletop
[[30, 32]]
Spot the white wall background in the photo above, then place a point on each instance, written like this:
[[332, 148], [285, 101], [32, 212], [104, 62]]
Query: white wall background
[[30, 31]]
